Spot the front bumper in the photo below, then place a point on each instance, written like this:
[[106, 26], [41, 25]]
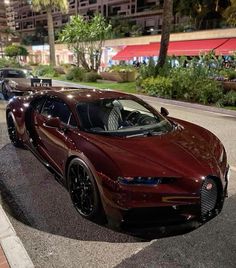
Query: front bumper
[[149, 206]]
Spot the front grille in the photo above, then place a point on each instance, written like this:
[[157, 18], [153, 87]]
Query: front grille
[[209, 196]]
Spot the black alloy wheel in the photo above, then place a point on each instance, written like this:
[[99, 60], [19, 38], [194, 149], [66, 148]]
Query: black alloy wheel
[[12, 132], [84, 191]]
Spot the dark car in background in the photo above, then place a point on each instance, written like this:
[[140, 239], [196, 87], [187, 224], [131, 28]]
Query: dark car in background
[[120, 159], [17, 82]]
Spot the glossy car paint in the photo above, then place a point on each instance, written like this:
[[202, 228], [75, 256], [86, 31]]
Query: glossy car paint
[[187, 155]]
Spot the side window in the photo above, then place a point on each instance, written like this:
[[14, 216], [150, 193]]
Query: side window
[[38, 103], [57, 108], [48, 108], [72, 121]]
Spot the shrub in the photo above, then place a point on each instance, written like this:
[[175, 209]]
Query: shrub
[[66, 67], [122, 68], [207, 91], [15, 50], [227, 74], [182, 83], [91, 77], [229, 98], [59, 70], [159, 86], [75, 73], [190, 84], [146, 71], [9, 63], [45, 70]]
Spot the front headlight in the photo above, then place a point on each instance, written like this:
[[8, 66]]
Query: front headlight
[[144, 180]]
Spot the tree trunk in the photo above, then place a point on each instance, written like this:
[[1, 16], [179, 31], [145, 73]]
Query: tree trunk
[[165, 35], [51, 38]]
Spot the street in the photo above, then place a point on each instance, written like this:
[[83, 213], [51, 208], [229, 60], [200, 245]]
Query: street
[[54, 235]]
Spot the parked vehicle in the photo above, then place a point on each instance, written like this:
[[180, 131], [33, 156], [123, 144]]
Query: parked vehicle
[[120, 159], [17, 82]]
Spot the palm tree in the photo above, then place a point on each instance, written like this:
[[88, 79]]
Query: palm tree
[[49, 5], [165, 35]]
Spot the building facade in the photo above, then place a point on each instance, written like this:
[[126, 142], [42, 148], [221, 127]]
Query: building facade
[[3, 27], [146, 13]]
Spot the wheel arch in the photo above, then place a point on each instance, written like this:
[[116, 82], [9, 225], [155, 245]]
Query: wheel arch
[[86, 161], [101, 217]]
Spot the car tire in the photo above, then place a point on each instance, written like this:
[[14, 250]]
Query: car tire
[[84, 192], [12, 132]]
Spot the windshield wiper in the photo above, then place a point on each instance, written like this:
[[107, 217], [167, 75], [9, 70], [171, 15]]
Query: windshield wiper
[[146, 133]]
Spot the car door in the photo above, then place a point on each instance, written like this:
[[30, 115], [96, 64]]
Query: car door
[[55, 141]]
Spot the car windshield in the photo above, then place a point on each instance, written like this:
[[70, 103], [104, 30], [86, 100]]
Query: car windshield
[[122, 117], [16, 74]]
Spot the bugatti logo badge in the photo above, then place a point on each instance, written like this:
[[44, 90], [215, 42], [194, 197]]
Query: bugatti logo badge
[[209, 186]]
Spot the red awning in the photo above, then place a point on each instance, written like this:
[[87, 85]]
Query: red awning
[[227, 48], [132, 51], [194, 47], [176, 48]]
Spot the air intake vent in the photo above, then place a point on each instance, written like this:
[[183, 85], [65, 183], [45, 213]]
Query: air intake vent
[[208, 197]]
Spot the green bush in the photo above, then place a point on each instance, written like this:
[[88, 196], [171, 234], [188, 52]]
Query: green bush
[[229, 98], [91, 77], [59, 70], [9, 63], [230, 74], [146, 71], [158, 86], [207, 91], [182, 79], [75, 73], [66, 67], [122, 68], [45, 70], [191, 84]]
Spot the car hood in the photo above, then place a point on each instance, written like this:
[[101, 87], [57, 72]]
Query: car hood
[[188, 151]]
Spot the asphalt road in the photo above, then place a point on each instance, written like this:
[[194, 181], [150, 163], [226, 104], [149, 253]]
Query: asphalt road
[[56, 236]]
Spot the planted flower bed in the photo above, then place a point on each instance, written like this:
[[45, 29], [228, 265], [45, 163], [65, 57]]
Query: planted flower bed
[[118, 76]]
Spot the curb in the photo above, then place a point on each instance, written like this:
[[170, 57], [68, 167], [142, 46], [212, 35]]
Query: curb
[[190, 105], [12, 246]]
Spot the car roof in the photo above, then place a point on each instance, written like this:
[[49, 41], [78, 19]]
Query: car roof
[[12, 68], [16, 69], [75, 95]]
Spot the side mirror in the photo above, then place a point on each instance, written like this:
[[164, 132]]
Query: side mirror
[[164, 111], [53, 122]]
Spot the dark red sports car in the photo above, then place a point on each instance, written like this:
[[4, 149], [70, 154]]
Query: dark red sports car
[[120, 159]]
